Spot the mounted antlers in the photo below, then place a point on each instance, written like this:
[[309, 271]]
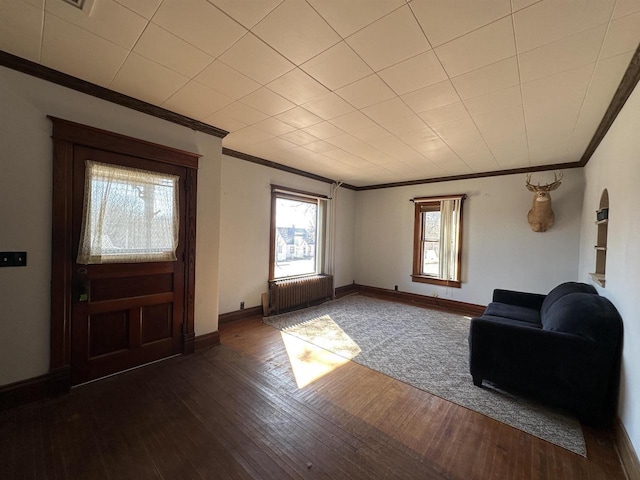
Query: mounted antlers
[[541, 215]]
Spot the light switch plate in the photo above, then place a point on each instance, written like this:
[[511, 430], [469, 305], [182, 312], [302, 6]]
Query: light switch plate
[[13, 259]]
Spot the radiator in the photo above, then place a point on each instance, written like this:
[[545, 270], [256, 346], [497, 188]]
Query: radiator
[[299, 292]]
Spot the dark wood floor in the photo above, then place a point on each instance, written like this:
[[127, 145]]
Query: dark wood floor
[[237, 411]]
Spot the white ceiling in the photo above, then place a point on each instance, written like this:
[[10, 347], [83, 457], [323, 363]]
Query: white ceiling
[[362, 91]]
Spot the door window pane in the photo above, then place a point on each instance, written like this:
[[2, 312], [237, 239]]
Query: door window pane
[[130, 215]]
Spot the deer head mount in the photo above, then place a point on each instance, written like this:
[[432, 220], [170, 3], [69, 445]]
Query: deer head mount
[[541, 216]]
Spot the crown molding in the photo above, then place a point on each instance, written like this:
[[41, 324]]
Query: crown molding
[[626, 86], [54, 76]]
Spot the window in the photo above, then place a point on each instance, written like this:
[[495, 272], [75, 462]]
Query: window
[[438, 240], [297, 233], [130, 215]]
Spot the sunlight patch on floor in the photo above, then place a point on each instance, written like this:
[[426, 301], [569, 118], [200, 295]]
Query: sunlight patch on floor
[[310, 362]]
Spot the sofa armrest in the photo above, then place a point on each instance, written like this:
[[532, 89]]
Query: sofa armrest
[[521, 299]]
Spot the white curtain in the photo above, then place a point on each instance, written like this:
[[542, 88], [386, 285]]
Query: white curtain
[[130, 215], [449, 225]]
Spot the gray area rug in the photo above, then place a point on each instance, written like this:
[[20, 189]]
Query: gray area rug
[[427, 349]]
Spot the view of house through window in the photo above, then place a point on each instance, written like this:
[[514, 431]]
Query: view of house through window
[[296, 236], [438, 242]]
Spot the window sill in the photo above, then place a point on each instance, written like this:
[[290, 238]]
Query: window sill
[[436, 281]]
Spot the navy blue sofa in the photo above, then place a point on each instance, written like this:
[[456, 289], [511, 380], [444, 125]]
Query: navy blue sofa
[[563, 348]]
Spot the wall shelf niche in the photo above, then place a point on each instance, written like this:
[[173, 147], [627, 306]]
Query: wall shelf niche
[[602, 225]]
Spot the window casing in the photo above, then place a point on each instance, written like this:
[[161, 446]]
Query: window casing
[[437, 247], [298, 226]]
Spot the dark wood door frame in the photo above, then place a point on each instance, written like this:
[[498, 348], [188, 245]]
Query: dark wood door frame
[[65, 136]]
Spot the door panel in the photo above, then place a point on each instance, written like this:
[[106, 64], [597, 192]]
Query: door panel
[[128, 314]]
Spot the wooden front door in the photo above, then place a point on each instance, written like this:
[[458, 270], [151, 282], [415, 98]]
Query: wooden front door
[[111, 317], [124, 314]]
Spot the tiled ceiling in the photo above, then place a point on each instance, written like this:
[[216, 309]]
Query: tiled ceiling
[[362, 91]]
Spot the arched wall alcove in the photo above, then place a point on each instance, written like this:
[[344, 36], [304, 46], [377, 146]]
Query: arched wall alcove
[[602, 224]]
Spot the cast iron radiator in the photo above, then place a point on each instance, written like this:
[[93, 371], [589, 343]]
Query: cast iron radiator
[[290, 293]]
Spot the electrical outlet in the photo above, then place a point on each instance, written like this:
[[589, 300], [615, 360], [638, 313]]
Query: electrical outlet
[[396, 288], [241, 305]]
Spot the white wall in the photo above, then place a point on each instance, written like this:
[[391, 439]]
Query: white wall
[[499, 248], [25, 213], [615, 166], [245, 225]]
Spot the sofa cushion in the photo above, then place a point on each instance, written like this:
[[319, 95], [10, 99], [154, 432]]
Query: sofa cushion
[[510, 321], [562, 290], [587, 315], [515, 312]]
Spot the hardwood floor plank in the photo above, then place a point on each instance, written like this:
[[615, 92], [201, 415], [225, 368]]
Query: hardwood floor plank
[[452, 432], [297, 442], [238, 411]]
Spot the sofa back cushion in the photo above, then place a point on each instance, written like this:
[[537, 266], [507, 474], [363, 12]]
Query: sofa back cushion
[[562, 290], [587, 315]]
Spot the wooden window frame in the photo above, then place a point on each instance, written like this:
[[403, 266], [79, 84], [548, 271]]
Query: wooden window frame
[[301, 196], [430, 203]]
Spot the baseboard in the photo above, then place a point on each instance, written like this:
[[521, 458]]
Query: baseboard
[[207, 340], [52, 384], [240, 314], [347, 290], [469, 309], [627, 453], [189, 343]]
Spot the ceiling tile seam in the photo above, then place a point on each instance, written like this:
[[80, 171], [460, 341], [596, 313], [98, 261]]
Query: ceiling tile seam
[[236, 21], [433, 46], [133, 11], [566, 36], [525, 7], [44, 19], [413, 14], [593, 72], [336, 147], [426, 157], [190, 80], [427, 124], [458, 94], [46, 13], [282, 54], [327, 49], [573, 67], [249, 32], [296, 67], [524, 115], [131, 51], [360, 29], [266, 113], [94, 33], [344, 39], [246, 31], [475, 69], [325, 21], [374, 120]]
